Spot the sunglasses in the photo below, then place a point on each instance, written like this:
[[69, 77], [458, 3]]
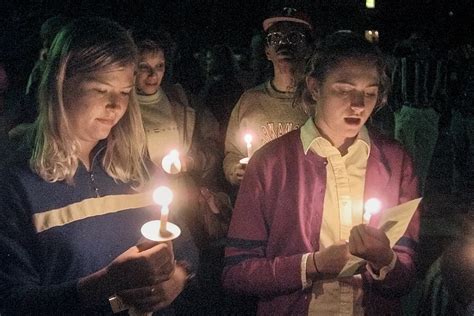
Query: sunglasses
[[290, 38]]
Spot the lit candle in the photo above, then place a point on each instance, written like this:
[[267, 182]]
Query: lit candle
[[163, 197], [248, 141], [372, 206], [171, 162]]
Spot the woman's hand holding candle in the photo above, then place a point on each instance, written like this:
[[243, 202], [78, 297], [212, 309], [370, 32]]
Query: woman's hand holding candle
[[146, 267], [371, 244], [132, 269], [157, 296]]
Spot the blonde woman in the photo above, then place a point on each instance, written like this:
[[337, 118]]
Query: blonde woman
[[71, 213]]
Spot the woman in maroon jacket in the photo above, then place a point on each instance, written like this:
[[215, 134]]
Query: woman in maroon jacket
[[299, 213]]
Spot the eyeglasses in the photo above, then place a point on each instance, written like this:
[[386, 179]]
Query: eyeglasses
[[291, 38]]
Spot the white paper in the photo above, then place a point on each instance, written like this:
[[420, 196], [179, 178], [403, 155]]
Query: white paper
[[394, 222]]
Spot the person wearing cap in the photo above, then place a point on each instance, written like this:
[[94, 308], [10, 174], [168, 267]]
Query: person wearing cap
[[267, 111]]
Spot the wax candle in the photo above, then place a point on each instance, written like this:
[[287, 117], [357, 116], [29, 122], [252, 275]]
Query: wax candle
[[248, 141], [163, 197]]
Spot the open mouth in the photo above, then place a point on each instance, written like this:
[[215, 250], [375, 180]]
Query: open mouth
[[353, 120]]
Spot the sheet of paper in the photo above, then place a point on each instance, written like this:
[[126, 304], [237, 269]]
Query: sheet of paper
[[394, 223]]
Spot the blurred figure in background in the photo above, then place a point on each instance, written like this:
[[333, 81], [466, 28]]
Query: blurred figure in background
[[4, 124], [169, 120], [448, 287], [267, 111], [461, 84], [419, 89], [25, 109], [222, 89]]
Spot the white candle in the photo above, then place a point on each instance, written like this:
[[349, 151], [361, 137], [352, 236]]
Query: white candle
[[248, 141], [171, 162], [371, 207], [163, 197]]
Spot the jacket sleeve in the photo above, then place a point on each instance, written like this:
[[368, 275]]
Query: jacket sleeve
[[21, 284], [233, 143], [399, 281], [248, 269]]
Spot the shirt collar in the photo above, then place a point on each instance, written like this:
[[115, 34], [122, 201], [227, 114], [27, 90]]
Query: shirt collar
[[152, 98], [277, 94], [309, 134]]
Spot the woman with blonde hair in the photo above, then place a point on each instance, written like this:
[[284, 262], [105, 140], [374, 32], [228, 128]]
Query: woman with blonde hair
[[72, 209]]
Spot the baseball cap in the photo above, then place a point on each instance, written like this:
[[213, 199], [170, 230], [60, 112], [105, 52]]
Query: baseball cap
[[287, 14]]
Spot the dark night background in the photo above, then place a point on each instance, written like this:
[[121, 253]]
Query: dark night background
[[208, 22], [233, 22]]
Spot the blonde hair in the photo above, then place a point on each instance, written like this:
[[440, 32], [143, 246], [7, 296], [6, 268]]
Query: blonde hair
[[84, 46]]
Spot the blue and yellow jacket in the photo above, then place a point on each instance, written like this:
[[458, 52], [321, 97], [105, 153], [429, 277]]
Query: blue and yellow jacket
[[52, 234]]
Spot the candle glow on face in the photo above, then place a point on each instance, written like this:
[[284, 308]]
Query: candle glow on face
[[372, 206], [171, 162]]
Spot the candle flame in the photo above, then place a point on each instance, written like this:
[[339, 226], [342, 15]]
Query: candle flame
[[171, 162], [373, 206], [174, 153], [163, 196], [248, 138]]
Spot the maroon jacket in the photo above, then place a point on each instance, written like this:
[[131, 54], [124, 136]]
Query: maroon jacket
[[277, 219]]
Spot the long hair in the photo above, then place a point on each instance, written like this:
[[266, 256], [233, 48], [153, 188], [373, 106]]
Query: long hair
[[336, 48], [84, 46]]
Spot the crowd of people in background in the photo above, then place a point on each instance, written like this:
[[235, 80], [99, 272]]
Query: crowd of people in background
[[90, 125]]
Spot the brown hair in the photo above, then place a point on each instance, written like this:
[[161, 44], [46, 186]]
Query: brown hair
[[328, 55]]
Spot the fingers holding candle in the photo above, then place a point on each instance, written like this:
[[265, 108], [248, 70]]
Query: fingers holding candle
[[370, 244], [135, 269]]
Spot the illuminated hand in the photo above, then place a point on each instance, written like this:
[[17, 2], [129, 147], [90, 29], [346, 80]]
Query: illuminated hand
[[332, 259], [157, 296], [137, 269], [238, 173], [371, 244]]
